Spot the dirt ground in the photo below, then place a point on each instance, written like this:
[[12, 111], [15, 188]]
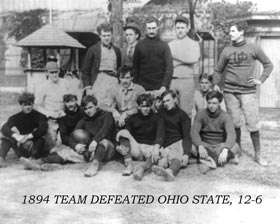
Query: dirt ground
[[247, 178]]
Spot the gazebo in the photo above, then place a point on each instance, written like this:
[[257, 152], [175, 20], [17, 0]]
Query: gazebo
[[49, 38]]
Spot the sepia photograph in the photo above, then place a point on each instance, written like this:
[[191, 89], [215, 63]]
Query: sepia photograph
[[139, 111]]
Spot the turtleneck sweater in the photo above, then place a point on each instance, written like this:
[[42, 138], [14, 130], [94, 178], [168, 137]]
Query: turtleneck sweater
[[68, 123], [238, 63], [100, 126], [177, 125], [33, 122], [213, 128], [146, 129], [152, 63]]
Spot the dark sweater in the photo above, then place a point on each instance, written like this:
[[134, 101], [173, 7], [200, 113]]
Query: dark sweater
[[213, 128], [152, 63], [238, 62], [33, 122], [91, 63], [68, 123], [100, 126], [146, 129], [177, 127]]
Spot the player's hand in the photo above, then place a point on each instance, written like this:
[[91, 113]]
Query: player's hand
[[253, 81], [217, 88], [92, 146], [202, 152], [185, 160], [116, 115], [155, 153], [80, 148], [18, 137], [25, 138], [15, 130], [223, 156], [122, 119], [159, 92]]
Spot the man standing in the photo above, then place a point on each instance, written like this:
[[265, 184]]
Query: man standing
[[185, 53], [24, 131], [213, 134], [49, 101], [100, 65], [132, 35], [152, 60], [177, 140], [237, 62]]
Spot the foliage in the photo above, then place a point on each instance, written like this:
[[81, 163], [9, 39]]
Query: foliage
[[221, 11], [21, 24]]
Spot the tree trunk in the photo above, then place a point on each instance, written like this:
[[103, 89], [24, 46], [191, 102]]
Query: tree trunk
[[192, 7], [116, 21]]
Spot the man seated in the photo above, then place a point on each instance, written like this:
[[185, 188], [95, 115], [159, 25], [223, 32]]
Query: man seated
[[205, 84], [177, 142], [24, 131], [62, 153], [100, 126], [213, 134], [123, 97], [144, 132]]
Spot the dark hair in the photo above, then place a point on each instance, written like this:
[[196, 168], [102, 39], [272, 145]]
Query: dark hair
[[123, 70], [87, 99], [26, 98], [106, 27], [69, 97], [214, 94], [167, 92], [137, 32], [206, 76], [182, 19], [151, 19], [240, 25], [145, 98]]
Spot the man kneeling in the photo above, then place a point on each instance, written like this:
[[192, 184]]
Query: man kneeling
[[142, 138], [213, 134]]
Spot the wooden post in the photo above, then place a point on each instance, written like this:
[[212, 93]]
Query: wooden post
[[72, 57], [116, 21], [29, 75], [44, 57], [29, 58], [77, 59], [58, 56]]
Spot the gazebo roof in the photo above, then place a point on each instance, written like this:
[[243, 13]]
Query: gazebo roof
[[49, 36]]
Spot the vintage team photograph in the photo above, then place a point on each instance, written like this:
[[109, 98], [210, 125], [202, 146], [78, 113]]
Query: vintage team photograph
[[139, 111]]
